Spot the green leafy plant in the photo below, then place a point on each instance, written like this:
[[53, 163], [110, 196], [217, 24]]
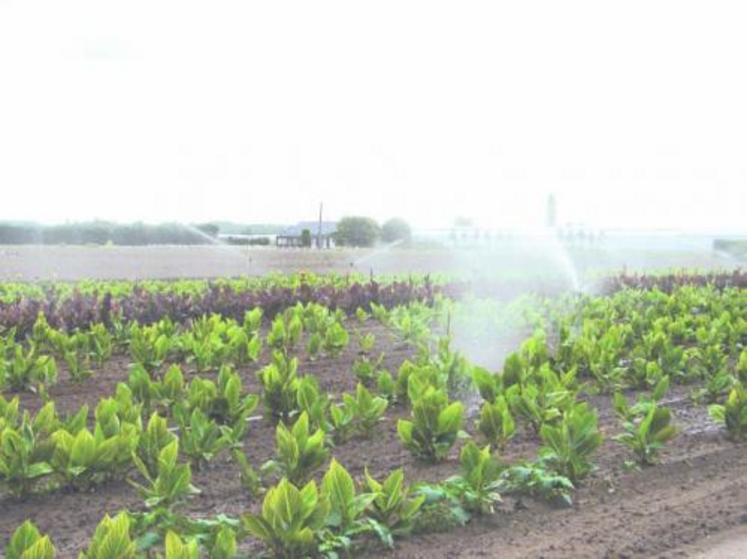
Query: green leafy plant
[[298, 451], [222, 544], [279, 382], [364, 409], [26, 370], [534, 479], [435, 425], [154, 438], [733, 413], [361, 315], [496, 422], [386, 386], [253, 320], [346, 508], [112, 540], [88, 458], [366, 369], [478, 482], [22, 464], [78, 365], [231, 406], [314, 345], [645, 436], [102, 343], [28, 543], [172, 483], [289, 520], [202, 438], [394, 508], [366, 343], [568, 445], [335, 340], [176, 548], [151, 345], [487, 384], [312, 401], [647, 425], [249, 477]]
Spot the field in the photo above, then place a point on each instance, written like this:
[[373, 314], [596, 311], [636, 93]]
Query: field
[[615, 428], [518, 259]]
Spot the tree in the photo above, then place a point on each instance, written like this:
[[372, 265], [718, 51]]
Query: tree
[[396, 229], [306, 238], [209, 229], [357, 231]]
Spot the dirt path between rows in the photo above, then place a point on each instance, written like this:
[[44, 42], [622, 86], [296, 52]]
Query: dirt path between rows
[[658, 512]]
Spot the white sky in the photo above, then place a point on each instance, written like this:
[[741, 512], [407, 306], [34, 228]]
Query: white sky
[[634, 113]]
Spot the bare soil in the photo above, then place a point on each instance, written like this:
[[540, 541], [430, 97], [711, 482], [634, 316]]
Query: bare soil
[[507, 261], [689, 503]]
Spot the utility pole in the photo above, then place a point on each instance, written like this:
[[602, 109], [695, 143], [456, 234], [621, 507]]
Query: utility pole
[[319, 230]]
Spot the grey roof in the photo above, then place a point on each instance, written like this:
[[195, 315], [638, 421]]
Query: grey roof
[[328, 228]]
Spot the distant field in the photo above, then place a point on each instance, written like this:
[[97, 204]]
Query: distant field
[[515, 260]]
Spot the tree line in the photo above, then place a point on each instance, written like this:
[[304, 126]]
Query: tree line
[[351, 231]]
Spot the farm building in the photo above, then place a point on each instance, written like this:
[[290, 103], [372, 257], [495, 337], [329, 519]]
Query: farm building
[[293, 236]]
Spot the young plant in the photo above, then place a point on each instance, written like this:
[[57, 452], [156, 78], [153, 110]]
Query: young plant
[[733, 413], [102, 344], [314, 345], [346, 507], [496, 422], [646, 435], [479, 480], [364, 409], [386, 386], [202, 438], [86, 459], [298, 452], [172, 483], [153, 440], [28, 543], [21, 467], [253, 320], [112, 540], [25, 370], [231, 406], [534, 479], [335, 339], [175, 548], [289, 520], [393, 510], [312, 401], [366, 343], [435, 425], [487, 384], [78, 364], [361, 315], [279, 382], [568, 445], [366, 369], [250, 478], [150, 345]]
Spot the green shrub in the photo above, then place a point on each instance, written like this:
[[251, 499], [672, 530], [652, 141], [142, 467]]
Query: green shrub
[[289, 520], [435, 425], [568, 445]]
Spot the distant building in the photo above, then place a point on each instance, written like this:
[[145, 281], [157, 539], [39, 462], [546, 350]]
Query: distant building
[[293, 236]]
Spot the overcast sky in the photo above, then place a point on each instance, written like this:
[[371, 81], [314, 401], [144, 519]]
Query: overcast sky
[[633, 113]]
